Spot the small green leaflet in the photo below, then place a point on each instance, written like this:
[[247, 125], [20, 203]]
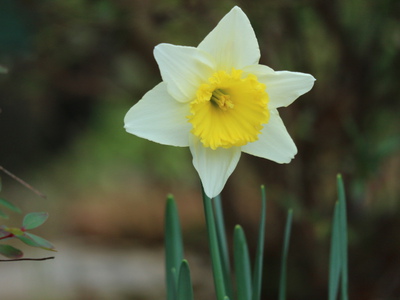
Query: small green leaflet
[[33, 220], [36, 241], [10, 251]]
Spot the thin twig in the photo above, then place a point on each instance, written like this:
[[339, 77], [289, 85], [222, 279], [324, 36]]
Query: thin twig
[[23, 183], [31, 259]]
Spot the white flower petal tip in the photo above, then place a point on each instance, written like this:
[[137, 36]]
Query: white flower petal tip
[[300, 83], [214, 166], [284, 87], [232, 43], [274, 142]]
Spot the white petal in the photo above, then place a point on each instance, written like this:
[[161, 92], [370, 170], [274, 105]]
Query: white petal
[[214, 166], [183, 69], [233, 43], [283, 87], [274, 142], [259, 70], [159, 118]]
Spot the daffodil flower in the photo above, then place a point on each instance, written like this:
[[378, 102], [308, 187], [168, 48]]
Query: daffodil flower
[[218, 101]]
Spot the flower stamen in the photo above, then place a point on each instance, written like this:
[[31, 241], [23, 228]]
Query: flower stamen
[[221, 99]]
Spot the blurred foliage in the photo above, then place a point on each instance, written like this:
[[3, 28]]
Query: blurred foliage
[[30, 221], [75, 68]]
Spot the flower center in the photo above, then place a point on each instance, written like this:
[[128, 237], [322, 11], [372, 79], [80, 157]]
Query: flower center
[[222, 100], [229, 110]]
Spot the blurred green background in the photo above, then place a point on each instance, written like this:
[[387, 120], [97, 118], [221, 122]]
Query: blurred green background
[[77, 66]]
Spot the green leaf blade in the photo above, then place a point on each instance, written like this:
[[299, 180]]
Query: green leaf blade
[[219, 283], [34, 220], [10, 252], [242, 265], [185, 289], [343, 237], [223, 246], [334, 260], [27, 240], [36, 241], [258, 263], [338, 264], [173, 247]]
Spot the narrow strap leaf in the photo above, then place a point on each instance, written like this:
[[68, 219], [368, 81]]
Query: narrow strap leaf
[[334, 261], [242, 264], [173, 247], [343, 237], [258, 263], [172, 283], [185, 289], [214, 249], [223, 245], [282, 282], [338, 269]]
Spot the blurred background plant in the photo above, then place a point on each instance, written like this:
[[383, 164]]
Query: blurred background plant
[[76, 67], [29, 222]]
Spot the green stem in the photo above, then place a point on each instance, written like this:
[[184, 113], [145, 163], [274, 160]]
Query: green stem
[[215, 254], [223, 245], [258, 264], [343, 237]]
